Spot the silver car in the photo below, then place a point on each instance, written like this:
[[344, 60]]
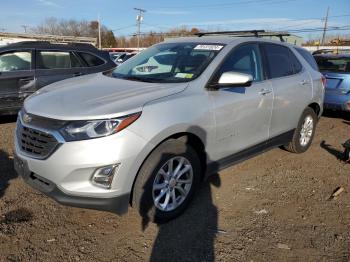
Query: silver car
[[180, 110]]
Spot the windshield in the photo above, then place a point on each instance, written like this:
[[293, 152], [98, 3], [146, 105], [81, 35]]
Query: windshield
[[336, 64], [169, 63]]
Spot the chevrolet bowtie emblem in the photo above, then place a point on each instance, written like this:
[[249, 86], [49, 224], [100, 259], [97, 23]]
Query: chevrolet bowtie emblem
[[27, 118]]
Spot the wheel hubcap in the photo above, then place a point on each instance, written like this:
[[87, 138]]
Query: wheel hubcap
[[172, 183], [306, 131]]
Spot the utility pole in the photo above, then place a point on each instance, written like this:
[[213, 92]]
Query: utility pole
[[99, 31], [25, 28], [139, 19], [325, 27]]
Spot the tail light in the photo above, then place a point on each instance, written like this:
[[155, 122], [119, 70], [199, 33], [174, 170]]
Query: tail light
[[348, 104], [323, 80]]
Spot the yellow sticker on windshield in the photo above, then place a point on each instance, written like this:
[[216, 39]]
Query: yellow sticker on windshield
[[184, 75]]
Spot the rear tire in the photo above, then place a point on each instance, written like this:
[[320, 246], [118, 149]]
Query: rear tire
[[304, 133], [159, 195]]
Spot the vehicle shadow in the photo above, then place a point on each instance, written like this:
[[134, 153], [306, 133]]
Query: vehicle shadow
[[8, 119], [336, 114], [7, 171], [191, 236], [337, 153]]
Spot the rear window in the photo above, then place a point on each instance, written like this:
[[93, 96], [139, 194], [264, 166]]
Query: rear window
[[308, 57], [281, 61], [57, 60], [91, 60], [335, 64]]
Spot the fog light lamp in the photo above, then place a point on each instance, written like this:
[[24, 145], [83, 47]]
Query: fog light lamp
[[103, 176]]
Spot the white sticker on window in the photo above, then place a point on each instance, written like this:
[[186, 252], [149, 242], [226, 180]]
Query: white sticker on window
[[209, 47]]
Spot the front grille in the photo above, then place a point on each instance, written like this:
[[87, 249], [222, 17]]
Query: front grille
[[35, 143]]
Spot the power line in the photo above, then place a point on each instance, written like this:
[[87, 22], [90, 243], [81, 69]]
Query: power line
[[158, 26], [121, 28], [320, 29], [304, 30], [310, 22]]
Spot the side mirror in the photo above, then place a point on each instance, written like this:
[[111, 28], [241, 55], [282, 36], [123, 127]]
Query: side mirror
[[234, 79], [120, 60]]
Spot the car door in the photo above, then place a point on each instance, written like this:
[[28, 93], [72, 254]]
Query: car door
[[242, 114], [17, 78], [56, 65], [292, 87]]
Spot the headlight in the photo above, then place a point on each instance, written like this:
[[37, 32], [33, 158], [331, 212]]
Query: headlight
[[82, 130]]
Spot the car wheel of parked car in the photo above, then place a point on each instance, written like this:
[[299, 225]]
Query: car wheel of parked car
[[166, 181], [304, 133]]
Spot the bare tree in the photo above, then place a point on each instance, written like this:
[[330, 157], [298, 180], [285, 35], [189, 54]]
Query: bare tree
[[71, 27]]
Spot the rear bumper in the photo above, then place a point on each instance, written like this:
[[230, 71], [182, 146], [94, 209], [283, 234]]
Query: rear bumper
[[336, 102], [118, 205]]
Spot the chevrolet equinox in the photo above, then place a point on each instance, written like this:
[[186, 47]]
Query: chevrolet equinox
[[146, 135]]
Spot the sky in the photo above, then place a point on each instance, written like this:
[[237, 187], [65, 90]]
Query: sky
[[162, 15]]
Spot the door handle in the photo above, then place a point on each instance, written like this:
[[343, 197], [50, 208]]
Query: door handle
[[264, 91], [78, 74], [304, 82], [26, 80]]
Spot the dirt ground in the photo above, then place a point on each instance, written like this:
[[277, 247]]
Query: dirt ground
[[273, 207]]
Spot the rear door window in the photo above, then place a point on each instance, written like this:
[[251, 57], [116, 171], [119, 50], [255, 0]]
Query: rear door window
[[91, 60], [57, 60], [281, 61], [15, 61]]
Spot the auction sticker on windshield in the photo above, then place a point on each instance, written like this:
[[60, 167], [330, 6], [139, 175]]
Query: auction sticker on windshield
[[209, 47]]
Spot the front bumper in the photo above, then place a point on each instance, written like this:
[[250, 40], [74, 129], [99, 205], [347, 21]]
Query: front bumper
[[66, 174], [118, 205]]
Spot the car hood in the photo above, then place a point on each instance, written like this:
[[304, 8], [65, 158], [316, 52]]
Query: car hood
[[96, 97]]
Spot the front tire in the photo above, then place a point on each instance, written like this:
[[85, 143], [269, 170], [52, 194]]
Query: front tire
[[166, 181], [304, 133]]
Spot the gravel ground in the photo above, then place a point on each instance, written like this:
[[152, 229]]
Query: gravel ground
[[274, 207]]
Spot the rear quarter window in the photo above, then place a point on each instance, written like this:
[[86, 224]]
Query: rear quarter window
[[281, 61], [91, 60], [308, 57]]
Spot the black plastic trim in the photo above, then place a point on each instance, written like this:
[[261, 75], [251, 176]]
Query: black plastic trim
[[250, 152]]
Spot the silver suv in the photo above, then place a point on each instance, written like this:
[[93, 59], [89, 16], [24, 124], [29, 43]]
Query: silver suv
[[182, 109]]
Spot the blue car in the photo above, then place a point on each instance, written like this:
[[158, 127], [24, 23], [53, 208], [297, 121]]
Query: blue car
[[336, 69]]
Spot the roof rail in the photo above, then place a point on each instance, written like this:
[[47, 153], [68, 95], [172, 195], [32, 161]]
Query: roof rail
[[49, 43], [50, 38], [246, 33]]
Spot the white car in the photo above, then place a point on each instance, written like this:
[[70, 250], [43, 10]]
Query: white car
[[148, 138]]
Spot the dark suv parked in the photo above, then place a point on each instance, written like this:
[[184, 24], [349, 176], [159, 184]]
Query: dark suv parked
[[27, 66]]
